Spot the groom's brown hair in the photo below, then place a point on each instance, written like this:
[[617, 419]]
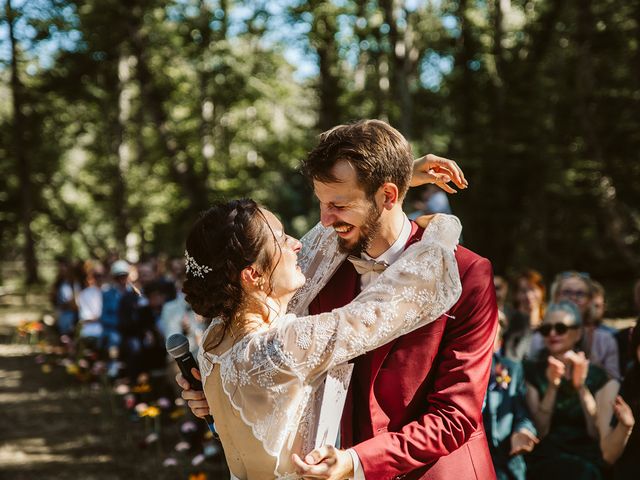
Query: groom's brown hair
[[377, 151]]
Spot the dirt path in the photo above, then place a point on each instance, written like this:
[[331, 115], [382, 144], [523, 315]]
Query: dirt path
[[54, 427]]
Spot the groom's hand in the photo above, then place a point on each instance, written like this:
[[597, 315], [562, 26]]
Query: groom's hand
[[326, 462], [439, 171], [195, 398]]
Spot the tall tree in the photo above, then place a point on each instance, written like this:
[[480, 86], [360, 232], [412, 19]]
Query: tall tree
[[19, 152]]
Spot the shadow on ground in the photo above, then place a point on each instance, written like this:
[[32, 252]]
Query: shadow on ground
[[54, 427]]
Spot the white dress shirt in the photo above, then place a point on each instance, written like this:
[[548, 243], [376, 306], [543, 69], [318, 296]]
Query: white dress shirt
[[389, 256]]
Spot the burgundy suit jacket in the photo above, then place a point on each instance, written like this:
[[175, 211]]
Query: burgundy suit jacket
[[414, 408]]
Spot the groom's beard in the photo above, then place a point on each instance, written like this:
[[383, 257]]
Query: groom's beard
[[368, 231]]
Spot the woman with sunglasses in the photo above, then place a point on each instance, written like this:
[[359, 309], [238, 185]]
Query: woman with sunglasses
[[598, 343], [571, 401]]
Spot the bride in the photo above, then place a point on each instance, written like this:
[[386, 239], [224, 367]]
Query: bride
[[262, 368]]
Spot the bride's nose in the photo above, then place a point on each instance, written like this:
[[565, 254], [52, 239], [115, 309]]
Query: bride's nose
[[296, 245]]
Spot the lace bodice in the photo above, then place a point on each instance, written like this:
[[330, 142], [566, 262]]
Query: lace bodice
[[271, 376]]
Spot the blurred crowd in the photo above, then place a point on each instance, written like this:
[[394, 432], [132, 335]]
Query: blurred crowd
[[564, 391], [111, 320], [123, 313]]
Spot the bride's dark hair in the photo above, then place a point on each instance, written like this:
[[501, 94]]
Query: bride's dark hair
[[226, 239]]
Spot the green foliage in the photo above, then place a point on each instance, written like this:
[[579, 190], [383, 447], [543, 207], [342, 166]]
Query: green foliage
[[138, 114]]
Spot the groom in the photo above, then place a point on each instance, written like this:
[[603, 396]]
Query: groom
[[414, 408]]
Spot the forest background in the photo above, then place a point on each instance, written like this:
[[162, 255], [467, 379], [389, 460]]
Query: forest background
[[121, 120]]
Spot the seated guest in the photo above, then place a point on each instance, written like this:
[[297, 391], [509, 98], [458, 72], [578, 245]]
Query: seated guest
[[529, 302], [502, 291], [110, 317], [90, 306], [622, 446], [63, 296], [178, 317], [599, 307], [510, 431], [142, 342], [570, 401], [597, 343], [624, 336]]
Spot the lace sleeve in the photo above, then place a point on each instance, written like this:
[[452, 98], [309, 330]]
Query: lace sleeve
[[319, 258], [417, 289]]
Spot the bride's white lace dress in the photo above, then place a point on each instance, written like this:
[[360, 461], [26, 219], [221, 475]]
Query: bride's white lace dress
[[261, 391]]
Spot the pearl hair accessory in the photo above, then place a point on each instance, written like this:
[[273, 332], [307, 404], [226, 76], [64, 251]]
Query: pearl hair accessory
[[192, 266]]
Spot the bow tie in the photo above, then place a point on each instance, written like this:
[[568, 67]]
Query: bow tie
[[363, 266]]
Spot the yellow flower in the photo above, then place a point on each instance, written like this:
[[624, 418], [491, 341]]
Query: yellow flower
[[150, 412], [72, 369], [177, 413], [143, 388]]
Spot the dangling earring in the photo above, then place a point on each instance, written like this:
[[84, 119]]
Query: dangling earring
[[260, 283]]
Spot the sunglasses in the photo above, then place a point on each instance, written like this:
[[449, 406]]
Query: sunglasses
[[565, 292], [560, 328]]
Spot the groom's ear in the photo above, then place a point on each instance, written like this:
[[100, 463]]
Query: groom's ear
[[390, 195], [252, 277]]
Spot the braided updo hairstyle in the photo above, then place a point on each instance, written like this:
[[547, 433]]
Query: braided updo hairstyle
[[227, 238]]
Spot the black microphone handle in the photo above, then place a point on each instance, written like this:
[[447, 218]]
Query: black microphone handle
[[185, 364]]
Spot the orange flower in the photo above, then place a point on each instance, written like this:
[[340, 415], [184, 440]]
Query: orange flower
[[198, 476]]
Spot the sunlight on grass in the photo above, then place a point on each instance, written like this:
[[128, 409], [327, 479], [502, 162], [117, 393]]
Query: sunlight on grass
[[35, 450]]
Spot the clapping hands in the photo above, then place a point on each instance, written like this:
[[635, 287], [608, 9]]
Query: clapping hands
[[579, 368], [556, 369], [623, 413], [577, 371]]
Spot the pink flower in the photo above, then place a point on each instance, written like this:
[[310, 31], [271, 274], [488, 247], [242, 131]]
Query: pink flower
[[188, 427], [122, 389], [170, 462], [129, 401], [182, 446]]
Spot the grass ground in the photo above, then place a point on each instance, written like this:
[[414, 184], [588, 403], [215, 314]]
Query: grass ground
[[53, 426]]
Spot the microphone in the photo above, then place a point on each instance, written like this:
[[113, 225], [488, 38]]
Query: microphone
[[178, 347]]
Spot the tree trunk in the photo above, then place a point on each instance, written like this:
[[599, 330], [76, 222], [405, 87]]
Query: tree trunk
[[400, 48], [122, 148], [207, 106], [20, 155], [463, 59], [612, 213], [323, 29]]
